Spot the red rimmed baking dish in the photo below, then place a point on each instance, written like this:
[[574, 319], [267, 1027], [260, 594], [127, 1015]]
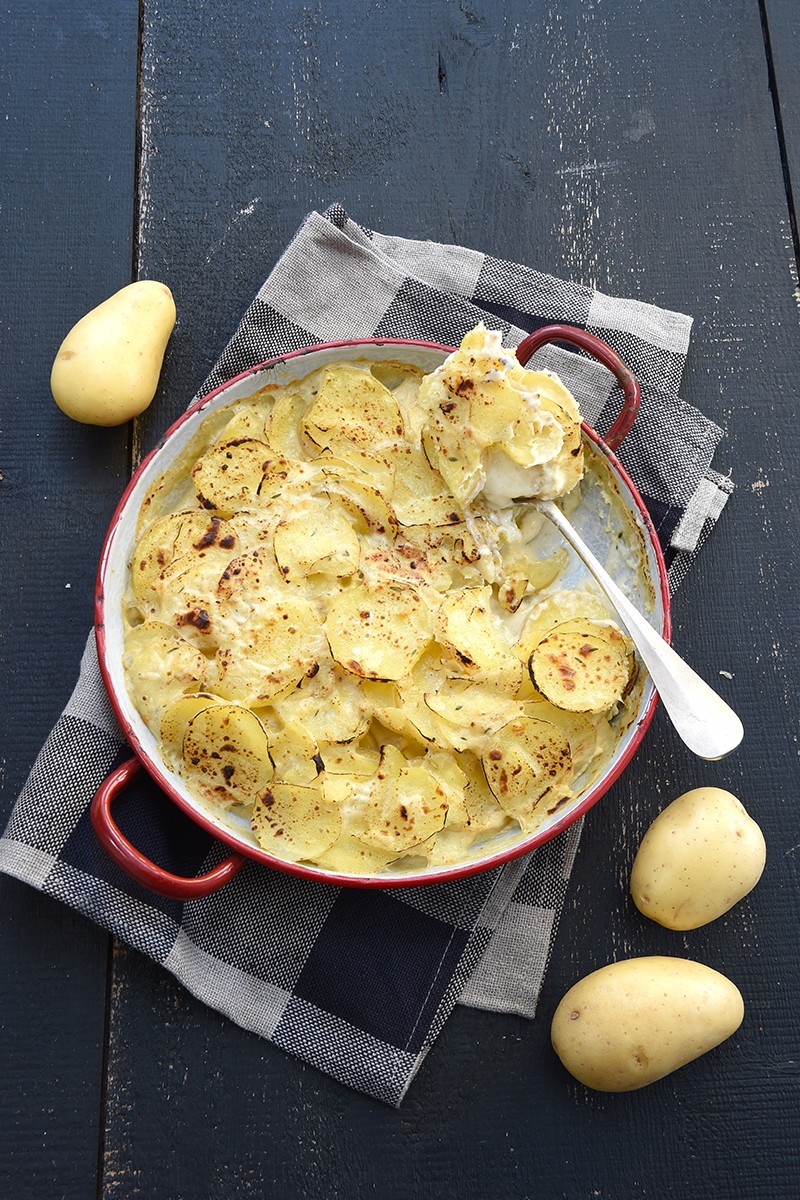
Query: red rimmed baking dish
[[648, 585]]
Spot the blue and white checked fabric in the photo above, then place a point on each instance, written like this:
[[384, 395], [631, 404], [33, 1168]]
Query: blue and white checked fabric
[[359, 983]]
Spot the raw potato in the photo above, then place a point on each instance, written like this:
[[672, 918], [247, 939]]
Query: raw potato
[[107, 368], [700, 856], [637, 1020]]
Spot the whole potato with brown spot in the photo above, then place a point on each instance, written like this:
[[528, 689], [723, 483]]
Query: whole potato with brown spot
[[700, 856], [639, 1019]]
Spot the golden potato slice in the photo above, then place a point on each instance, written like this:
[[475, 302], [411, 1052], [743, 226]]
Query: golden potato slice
[[330, 704], [553, 610], [528, 767], [159, 666], [248, 421], [319, 540], [420, 495], [283, 429], [352, 409], [177, 716], [230, 475], [589, 735], [295, 822], [537, 573], [378, 631], [474, 638], [583, 666], [226, 755], [365, 503], [280, 644], [453, 451], [349, 759], [476, 708], [295, 755], [486, 817], [184, 594], [172, 537], [407, 805], [247, 580], [349, 856]]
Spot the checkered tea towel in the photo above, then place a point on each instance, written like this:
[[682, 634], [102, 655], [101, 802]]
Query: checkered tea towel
[[359, 983]]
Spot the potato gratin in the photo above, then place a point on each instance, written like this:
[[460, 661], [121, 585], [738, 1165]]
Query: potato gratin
[[337, 626]]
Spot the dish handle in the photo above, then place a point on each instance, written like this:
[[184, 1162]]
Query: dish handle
[[603, 353], [133, 862]]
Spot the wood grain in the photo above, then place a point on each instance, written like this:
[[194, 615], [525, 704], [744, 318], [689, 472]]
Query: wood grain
[[635, 147], [68, 125]]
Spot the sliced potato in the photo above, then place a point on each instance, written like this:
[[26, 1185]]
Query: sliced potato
[[318, 540], [178, 714], [553, 610], [295, 755], [473, 637], [226, 755], [172, 537], [352, 409], [329, 703], [295, 822], [349, 759], [379, 631], [159, 666], [528, 767], [283, 428], [407, 805], [273, 652], [349, 856], [364, 502], [583, 665], [230, 475]]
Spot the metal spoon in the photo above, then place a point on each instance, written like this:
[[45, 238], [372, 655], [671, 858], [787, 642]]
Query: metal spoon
[[702, 718]]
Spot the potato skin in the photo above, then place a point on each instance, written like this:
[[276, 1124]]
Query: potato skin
[[637, 1020], [107, 368], [700, 856]]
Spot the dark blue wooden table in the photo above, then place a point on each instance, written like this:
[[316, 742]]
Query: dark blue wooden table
[[652, 150]]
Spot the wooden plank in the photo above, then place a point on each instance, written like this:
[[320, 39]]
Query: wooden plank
[[595, 144], [782, 37], [68, 105]]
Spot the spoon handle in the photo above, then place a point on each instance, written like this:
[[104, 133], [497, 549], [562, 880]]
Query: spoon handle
[[708, 726]]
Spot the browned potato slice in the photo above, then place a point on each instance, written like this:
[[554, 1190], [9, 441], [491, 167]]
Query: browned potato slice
[[278, 646], [486, 817], [184, 594], [295, 822], [474, 638], [553, 610], [528, 767], [247, 580], [177, 716], [171, 538], [226, 755], [318, 540], [230, 475], [407, 805], [295, 755], [583, 666], [589, 735], [352, 409], [379, 631], [159, 666]]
